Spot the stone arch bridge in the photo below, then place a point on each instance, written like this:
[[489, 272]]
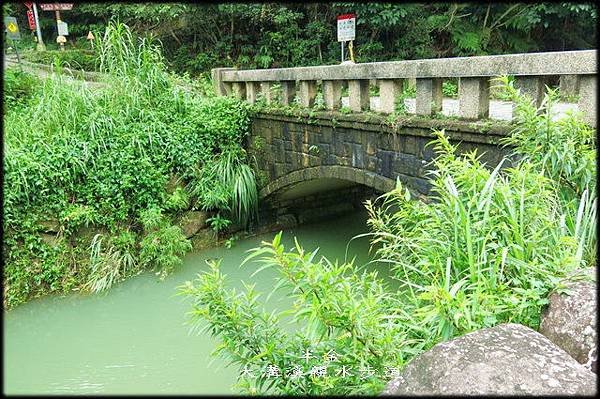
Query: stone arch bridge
[[325, 139]]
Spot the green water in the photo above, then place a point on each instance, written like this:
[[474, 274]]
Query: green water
[[134, 338]]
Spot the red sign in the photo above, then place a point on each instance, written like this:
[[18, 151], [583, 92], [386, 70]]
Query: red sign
[[346, 16], [30, 19], [28, 4], [56, 6]]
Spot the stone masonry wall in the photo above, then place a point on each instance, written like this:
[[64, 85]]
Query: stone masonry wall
[[361, 148]]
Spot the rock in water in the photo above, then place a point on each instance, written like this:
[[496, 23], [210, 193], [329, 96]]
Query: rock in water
[[569, 321], [508, 359], [191, 222]]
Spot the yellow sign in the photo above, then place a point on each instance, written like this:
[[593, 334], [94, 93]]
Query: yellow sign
[[12, 29]]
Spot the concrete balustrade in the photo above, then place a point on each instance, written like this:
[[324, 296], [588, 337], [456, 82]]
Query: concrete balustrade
[[288, 92], [569, 85], [531, 86], [577, 71], [358, 95], [588, 102], [251, 91], [308, 92], [239, 90], [266, 91], [389, 89], [332, 94], [429, 96], [474, 98]]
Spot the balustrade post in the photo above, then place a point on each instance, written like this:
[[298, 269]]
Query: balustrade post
[[332, 94], [389, 89], [474, 98], [568, 85], [429, 96], [288, 91], [358, 93], [308, 92], [251, 90], [221, 88], [588, 103], [238, 90], [531, 86], [265, 89]]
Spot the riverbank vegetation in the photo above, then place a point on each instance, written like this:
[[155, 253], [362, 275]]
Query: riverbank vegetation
[[487, 249], [93, 168]]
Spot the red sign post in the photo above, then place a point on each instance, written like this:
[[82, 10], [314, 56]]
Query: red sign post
[[31, 19], [346, 28]]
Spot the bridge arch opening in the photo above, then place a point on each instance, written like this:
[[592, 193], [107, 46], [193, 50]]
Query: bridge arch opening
[[314, 194]]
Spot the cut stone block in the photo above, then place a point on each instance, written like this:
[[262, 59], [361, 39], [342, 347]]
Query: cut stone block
[[429, 96], [389, 89], [588, 102], [358, 93], [288, 92], [308, 92], [332, 94], [474, 98]]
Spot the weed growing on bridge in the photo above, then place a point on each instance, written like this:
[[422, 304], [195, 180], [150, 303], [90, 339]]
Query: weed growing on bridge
[[96, 164]]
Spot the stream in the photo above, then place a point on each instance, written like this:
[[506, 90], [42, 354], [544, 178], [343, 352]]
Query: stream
[[135, 337]]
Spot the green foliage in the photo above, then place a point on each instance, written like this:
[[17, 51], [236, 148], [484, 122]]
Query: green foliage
[[102, 158], [337, 311], [163, 244], [74, 59], [178, 200], [228, 184], [450, 88], [563, 148], [19, 87], [111, 262], [488, 249], [218, 223], [197, 37]]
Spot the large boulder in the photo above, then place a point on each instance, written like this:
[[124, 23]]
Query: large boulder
[[508, 359], [191, 222], [569, 321]]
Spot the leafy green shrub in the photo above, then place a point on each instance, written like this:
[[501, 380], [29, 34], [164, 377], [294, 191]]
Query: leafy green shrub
[[450, 88], [74, 59], [111, 263], [564, 148], [163, 245], [101, 157], [19, 88], [340, 316]]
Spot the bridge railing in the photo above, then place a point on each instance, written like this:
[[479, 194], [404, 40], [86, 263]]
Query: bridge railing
[[576, 69]]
